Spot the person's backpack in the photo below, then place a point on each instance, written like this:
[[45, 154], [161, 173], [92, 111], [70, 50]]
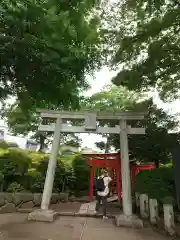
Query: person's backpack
[[100, 184]]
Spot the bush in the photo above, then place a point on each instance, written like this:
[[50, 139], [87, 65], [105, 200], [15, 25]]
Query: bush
[[36, 181], [37, 176], [81, 173], [156, 183], [3, 144], [15, 187], [24, 170], [36, 158], [14, 164]]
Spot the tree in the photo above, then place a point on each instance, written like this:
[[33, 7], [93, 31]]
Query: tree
[[47, 47], [23, 121], [156, 145], [146, 39], [26, 121], [110, 99]]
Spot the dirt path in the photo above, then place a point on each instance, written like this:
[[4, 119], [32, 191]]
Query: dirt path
[[16, 227]]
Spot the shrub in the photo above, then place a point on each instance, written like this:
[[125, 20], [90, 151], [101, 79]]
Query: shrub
[[157, 183], [14, 164], [3, 144], [25, 170], [81, 173], [36, 180], [15, 187], [36, 158]]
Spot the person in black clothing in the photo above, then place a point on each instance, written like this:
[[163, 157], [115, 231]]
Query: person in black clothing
[[102, 193]]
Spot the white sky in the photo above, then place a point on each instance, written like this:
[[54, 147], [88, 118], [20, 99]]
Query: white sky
[[102, 78]]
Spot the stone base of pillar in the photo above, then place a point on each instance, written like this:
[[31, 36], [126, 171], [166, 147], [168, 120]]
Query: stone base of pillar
[[169, 219], [42, 215], [128, 221]]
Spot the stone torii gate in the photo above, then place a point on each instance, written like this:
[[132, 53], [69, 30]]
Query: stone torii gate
[[90, 126]]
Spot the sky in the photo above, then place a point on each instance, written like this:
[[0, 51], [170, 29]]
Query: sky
[[102, 78]]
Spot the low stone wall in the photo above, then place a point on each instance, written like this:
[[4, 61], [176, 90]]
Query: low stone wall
[[12, 202]]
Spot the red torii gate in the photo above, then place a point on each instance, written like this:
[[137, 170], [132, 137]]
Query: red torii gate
[[136, 169], [112, 163]]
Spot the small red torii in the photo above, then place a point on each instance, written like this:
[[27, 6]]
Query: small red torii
[[109, 161]]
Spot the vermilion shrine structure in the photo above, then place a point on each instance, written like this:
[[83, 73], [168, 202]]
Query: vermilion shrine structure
[[112, 163], [61, 123]]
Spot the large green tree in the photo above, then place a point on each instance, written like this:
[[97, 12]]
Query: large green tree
[[146, 42], [25, 122], [47, 48]]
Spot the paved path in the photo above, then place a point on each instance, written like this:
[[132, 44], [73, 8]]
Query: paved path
[[16, 227]]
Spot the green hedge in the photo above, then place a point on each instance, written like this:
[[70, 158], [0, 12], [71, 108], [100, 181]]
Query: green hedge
[[157, 183], [81, 173], [22, 170]]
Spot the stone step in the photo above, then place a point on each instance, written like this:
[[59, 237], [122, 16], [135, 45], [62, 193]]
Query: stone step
[[112, 199], [84, 208], [92, 206]]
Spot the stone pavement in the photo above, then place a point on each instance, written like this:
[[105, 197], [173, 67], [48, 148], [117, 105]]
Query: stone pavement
[[16, 227]]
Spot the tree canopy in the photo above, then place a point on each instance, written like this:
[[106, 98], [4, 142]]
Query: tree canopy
[[46, 48], [146, 36]]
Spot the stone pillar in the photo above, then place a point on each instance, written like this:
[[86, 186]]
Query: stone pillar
[[153, 210], [169, 219], [144, 205], [137, 196], [125, 170], [48, 186]]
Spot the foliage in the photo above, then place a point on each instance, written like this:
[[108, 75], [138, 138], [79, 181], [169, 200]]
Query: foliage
[[148, 147], [81, 173], [15, 187], [46, 49], [14, 162], [146, 40], [26, 121], [36, 180], [3, 144], [112, 99], [22, 170], [156, 183]]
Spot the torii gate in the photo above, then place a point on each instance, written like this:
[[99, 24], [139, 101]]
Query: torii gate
[[90, 126]]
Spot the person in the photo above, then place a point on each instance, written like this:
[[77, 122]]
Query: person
[[102, 192]]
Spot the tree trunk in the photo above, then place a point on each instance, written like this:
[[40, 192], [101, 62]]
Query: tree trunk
[[106, 150], [157, 163], [41, 142]]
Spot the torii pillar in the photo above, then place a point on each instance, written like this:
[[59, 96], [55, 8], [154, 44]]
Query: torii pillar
[[127, 219], [125, 170]]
